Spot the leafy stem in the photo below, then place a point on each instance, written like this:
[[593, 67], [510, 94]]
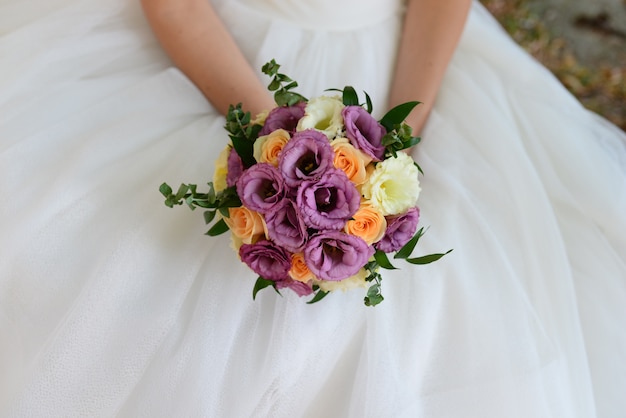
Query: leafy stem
[[281, 86]]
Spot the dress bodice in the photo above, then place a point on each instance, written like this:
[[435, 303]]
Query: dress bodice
[[325, 14]]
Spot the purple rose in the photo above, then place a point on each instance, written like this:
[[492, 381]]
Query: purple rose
[[267, 260], [328, 203], [364, 132], [302, 289], [283, 117], [261, 187], [235, 168], [307, 156], [400, 230], [286, 227], [335, 255]]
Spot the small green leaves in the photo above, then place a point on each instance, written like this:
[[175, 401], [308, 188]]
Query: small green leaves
[[187, 193], [319, 295], [374, 297], [282, 95], [350, 97], [242, 134], [426, 259], [218, 228], [383, 261], [261, 284], [397, 115], [405, 252]]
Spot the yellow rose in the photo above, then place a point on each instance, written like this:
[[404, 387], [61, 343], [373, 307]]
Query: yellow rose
[[323, 113], [353, 282], [367, 223], [245, 224], [350, 160], [267, 148], [299, 270], [221, 170], [393, 186]]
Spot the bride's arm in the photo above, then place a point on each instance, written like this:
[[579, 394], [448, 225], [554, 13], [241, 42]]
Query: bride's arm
[[197, 41], [432, 29]]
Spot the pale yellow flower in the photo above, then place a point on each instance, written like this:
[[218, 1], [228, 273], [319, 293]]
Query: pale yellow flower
[[323, 113], [393, 186], [221, 170], [353, 282]]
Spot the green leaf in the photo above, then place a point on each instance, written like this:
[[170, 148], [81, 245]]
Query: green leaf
[[165, 190], [350, 97], [182, 191], [383, 261], [219, 228], [411, 142], [245, 150], [405, 252], [374, 297], [368, 102], [427, 258], [397, 115], [261, 284], [318, 296], [224, 211], [209, 215]]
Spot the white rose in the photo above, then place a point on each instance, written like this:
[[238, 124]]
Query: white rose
[[323, 114], [393, 187], [352, 282], [221, 170]]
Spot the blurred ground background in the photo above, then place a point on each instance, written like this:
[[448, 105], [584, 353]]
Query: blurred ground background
[[583, 42]]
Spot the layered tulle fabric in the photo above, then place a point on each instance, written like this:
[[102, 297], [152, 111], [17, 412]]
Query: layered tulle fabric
[[112, 304]]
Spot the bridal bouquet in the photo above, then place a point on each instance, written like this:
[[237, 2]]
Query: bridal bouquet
[[314, 192]]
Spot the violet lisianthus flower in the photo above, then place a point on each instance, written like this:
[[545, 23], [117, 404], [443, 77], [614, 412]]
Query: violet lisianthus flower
[[400, 230], [335, 255], [301, 289], [267, 260], [328, 203], [235, 168], [261, 187], [307, 156], [286, 227], [364, 132], [283, 117]]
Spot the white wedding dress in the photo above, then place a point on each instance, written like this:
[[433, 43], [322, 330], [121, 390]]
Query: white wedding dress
[[112, 304]]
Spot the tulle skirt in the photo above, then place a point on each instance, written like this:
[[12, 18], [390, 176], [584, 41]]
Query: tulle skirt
[[112, 304]]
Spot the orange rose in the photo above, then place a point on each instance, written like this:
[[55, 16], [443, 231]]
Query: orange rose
[[350, 160], [367, 223], [245, 224], [267, 148], [299, 270]]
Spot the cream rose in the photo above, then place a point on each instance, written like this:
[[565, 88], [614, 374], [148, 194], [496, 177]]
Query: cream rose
[[323, 113], [245, 224], [393, 186], [350, 160], [299, 270], [268, 147], [352, 282], [221, 170], [367, 223]]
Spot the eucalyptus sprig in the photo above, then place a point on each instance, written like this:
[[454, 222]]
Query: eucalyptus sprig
[[374, 295], [282, 95], [211, 200], [242, 132]]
